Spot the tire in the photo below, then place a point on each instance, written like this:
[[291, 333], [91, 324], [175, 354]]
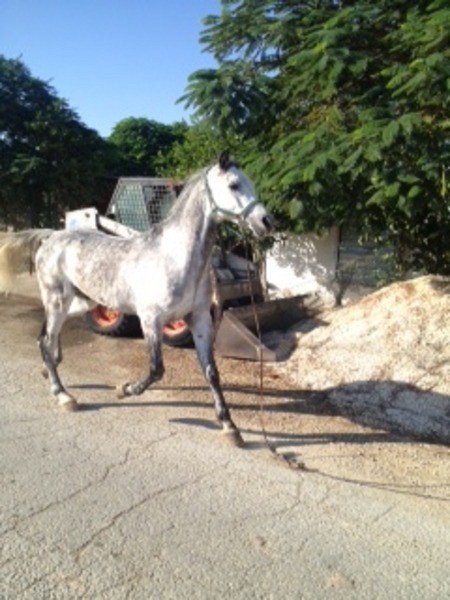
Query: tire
[[177, 333], [112, 322], [116, 324]]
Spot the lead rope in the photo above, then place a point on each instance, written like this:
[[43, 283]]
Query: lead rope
[[282, 457]]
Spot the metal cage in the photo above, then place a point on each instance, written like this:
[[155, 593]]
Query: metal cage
[[141, 202]]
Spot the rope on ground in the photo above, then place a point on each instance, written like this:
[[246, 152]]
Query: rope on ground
[[285, 459]]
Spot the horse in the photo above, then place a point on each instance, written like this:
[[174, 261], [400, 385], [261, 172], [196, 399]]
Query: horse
[[159, 275]]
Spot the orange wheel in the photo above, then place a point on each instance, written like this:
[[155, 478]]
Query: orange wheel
[[176, 333], [174, 327], [112, 322], [104, 317]]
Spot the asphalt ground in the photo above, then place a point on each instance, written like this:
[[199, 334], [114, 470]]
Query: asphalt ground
[[140, 498]]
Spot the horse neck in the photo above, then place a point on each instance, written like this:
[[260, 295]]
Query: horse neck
[[192, 217]]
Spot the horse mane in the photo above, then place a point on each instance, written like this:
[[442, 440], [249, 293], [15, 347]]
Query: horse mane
[[185, 193], [225, 162]]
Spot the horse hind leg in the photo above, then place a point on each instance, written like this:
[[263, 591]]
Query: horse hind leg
[[77, 307], [56, 351], [49, 345]]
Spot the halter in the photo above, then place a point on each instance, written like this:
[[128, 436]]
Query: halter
[[227, 213]]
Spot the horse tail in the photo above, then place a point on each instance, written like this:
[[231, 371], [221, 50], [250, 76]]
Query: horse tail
[[18, 254]]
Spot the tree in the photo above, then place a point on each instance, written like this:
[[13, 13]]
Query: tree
[[142, 144], [199, 147], [342, 109], [49, 161]]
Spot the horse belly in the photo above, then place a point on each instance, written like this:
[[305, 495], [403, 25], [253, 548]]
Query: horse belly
[[187, 297], [93, 264]]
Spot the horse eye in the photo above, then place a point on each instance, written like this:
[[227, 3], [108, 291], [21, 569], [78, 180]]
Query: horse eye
[[234, 186]]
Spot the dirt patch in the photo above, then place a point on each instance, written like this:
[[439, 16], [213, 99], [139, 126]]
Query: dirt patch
[[302, 428]]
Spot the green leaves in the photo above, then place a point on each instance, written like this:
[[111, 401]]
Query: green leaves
[[343, 108], [49, 161], [232, 97], [389, 133], [141, 143]]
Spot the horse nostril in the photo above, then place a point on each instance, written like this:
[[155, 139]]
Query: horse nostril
[[268, 222]]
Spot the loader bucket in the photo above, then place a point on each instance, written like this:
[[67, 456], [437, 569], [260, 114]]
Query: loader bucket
[[238, 333]]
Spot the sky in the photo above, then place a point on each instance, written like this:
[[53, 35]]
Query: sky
[[110, 59]]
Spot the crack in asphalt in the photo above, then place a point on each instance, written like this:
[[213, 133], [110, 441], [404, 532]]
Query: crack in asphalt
[[77, 554], [136, 505]]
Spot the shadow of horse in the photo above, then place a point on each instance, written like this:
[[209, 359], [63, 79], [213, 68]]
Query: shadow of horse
[[352, 401], [284, 446]]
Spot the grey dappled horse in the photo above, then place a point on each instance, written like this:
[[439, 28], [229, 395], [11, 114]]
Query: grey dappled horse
[[160, 275]]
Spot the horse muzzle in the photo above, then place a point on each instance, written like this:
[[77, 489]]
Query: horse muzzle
[[261, 222]]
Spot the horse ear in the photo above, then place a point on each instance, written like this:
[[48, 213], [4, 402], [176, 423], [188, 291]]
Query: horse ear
[[225, 161]]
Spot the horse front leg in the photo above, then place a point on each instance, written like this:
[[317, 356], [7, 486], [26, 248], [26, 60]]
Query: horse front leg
[[202, 331], [153, 337]]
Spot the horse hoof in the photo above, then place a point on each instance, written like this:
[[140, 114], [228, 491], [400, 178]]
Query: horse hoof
[[232, 437], [121, 390], [67, 403], [44, 372]]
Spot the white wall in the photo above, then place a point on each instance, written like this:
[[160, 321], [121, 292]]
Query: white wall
[[303, 264]]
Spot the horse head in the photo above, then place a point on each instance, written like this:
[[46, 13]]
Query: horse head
[[232, 197]]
